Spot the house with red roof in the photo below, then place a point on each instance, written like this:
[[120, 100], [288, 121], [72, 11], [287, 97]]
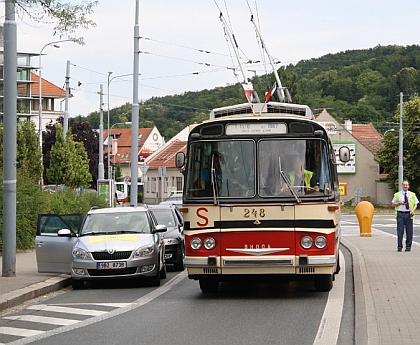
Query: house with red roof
[[163, 177], [50, 93], [149, 140], [362, 173]]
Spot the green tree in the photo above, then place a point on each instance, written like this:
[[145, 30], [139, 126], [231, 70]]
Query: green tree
[[118, 172], [28, 153], [65, 17], [69, 164], [82, 177], [389, 153], [60, 159], [82, 132]]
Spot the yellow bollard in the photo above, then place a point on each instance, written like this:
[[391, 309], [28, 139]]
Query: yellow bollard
[[364, 211]]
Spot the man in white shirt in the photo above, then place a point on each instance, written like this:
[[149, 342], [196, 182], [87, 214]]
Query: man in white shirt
[[405, 203]]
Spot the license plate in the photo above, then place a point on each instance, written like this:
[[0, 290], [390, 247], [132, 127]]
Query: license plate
[[112, 265]]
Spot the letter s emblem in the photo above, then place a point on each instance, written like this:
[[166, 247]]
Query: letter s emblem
[[206, 220]]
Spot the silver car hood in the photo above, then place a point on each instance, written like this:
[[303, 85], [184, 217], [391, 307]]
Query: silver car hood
[[118, 242]]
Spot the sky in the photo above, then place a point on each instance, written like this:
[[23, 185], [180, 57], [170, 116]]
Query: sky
[[184, 47]]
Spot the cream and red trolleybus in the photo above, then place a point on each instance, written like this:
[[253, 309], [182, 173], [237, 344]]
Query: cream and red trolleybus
[[261, 196]]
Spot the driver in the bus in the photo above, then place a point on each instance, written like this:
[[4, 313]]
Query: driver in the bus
[[299, 176], [205, 179]]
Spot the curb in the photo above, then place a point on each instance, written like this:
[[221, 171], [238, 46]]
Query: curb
[[360, 317], [16, 297]]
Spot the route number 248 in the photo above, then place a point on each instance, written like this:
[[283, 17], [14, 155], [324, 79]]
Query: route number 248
[[254, 213]]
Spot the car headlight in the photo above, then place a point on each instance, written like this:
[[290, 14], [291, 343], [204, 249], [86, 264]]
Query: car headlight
[[320, 242], [144, 251], [195, 243], [209, 243], [170, 241], [306, 242], [79, 253]]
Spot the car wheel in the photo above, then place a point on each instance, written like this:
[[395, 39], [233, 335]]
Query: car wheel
[[155, 280], [209, 285], [162, 273], [323, 282], [180, 266], [77, 284]]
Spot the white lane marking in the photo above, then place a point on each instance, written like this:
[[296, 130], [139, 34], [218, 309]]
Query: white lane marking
[[67, 310], [42, 319], [21, 332], [329, 326], [136, 304], [111, 304]]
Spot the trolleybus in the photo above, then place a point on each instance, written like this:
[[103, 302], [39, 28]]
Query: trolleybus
[[261, 196]]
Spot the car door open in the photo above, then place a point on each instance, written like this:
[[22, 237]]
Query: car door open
[[53, 252]]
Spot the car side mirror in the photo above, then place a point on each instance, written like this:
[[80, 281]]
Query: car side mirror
[[344, 154], [180, 160], [161, 228], [65, 233]]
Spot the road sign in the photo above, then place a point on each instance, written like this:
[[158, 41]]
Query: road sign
[[143, 169]]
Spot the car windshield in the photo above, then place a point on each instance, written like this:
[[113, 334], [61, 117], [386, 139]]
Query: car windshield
[[115, 223], [164, 217]]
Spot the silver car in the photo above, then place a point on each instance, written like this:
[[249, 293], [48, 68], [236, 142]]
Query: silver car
[[123, 242]]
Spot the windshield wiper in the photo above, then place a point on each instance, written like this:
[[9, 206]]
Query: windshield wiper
[[292, 190], [94, 233]]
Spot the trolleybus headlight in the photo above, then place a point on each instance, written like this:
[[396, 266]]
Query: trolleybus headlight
[[320, 242], [195, 243], [306, 242], [209, 243]]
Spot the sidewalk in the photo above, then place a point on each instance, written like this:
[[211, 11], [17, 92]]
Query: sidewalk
[[28, 283], [387, 287]]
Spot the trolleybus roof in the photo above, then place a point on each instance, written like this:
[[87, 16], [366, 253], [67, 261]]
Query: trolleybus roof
[[261, 108]]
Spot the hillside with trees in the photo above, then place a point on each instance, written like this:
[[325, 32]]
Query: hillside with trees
[[361, 85]]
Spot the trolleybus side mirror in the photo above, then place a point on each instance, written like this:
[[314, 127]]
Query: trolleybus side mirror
[[344, 154], [180, 159]]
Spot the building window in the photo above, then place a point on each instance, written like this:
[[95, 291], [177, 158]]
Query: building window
[[153, 184], [166, 184], [179, 183]]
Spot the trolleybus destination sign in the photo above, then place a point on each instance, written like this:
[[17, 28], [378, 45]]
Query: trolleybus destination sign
[[256, 128]]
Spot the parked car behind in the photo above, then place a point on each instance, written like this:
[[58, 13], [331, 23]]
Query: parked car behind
[[173, 199], [110, 243], [171, 217]]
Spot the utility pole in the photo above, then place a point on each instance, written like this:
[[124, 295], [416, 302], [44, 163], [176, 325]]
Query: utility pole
[[400, 137], [66, 106], [9, 141], [101, 136], [135, 114]]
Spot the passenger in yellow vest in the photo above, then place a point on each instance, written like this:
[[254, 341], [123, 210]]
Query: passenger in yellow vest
[[299, 176], [405, 203]]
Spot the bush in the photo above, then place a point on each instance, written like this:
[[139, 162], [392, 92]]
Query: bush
[[31, 201], [67, 202]]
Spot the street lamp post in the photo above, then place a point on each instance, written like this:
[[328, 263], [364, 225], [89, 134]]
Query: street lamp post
[[55, 45], [109, 151], [109, 146], [401, 151], [389, 130]]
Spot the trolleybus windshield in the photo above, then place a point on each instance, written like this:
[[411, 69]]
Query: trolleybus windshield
[[264, 167]]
